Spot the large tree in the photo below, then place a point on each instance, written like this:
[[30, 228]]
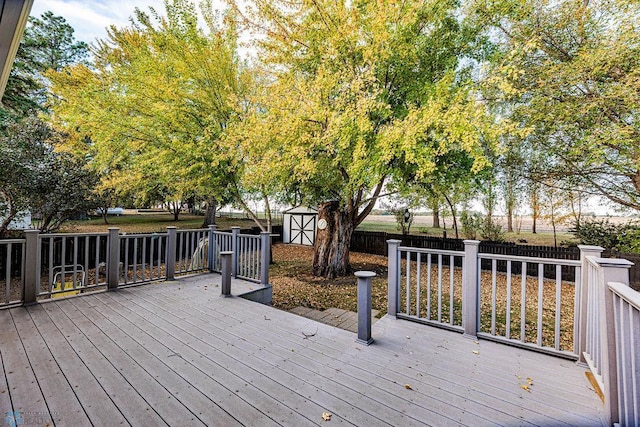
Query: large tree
[[151, 110], [568, 71], [357, 90], [48, 44]]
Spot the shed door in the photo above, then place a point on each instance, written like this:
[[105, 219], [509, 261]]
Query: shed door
[[303, 229]]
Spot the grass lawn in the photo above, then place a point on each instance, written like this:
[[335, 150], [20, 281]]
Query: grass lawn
[[524, 237]]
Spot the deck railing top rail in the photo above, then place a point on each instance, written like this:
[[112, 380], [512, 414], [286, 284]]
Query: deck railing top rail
[[7, 241], [47, 235], [533, 260], [430, 251]]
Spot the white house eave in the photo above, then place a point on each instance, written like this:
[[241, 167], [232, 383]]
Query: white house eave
[[13, 19]]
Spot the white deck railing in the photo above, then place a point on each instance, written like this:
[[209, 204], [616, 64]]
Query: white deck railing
[[431, 286], [581, 310], [626, 310]]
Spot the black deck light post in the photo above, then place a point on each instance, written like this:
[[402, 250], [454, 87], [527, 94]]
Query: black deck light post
[[407, 215]]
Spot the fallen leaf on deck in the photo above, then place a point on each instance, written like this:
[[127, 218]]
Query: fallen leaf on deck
[[530, 380], [519, 377], [326, 416], [525, 388], [475, 352], [408, 387]]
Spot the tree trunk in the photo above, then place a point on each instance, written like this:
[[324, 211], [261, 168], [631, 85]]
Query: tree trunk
[[436, 215], [174, 208], [453, 215], [510, 201], [331, 248], [535, 211], [210, 214]]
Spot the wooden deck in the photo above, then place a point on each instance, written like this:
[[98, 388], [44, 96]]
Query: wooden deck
[[179, 354]]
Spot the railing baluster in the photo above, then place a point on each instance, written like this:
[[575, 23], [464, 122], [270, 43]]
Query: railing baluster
[[508, 316], [540, 296], [143, 261], [7, 289], [159, 254], [493, 295], [96, 265], [439, 287], [75, 261], [64, 261], [451, 260], [151, 239], [135, 259], [418, 285], [51, 261], [407, 307], [126, 260], [429, 286], [558, 301], [523, 304], [86, 261]]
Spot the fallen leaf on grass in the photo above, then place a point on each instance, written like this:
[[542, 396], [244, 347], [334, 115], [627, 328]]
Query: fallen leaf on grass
[[326, 416], [408, 387]]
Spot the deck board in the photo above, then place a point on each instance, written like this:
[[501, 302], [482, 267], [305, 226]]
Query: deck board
[[58, 394], [466, 396], [24, 389], [177, 353], [109, 389], [147, 330], [135, 364]]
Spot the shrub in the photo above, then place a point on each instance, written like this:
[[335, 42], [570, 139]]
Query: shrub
[[471, 224], [618, 237], [492, 231]]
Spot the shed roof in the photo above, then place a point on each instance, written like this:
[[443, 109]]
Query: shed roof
[[307, 210]]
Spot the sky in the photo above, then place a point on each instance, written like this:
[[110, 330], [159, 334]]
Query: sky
[[90, 18]]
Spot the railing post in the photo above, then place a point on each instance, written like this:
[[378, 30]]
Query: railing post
[[113, 261], [611, 270], [211, 249], [364, 306], [265, 257], [582, 300], [470, 275], [170, 262], [234, 248], [225, 260], [31, 266], [393, 278]]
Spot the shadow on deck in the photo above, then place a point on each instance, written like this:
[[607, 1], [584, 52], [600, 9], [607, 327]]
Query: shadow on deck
[[177, 353]]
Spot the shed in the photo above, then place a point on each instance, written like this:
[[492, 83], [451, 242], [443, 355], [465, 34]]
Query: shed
[[299, 225]]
